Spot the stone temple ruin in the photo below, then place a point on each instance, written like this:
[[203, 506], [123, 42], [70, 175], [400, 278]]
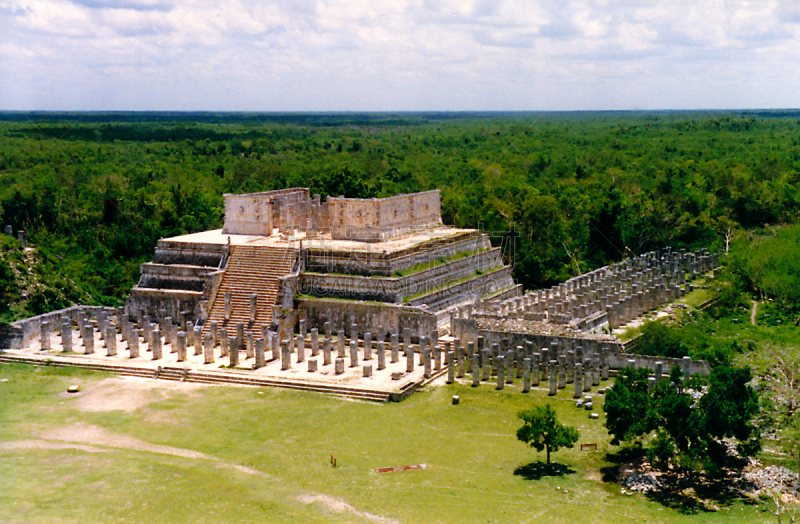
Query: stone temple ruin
[[296, 292]]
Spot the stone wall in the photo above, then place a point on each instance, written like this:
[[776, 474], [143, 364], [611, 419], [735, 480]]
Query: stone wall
[[321, 258], [378, 219], [472, 289], [23, 332], [368, 315], [394, 289], [160, 303]]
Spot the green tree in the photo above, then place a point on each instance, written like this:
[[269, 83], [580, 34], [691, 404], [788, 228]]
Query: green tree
[[541, 430], [688, 431]]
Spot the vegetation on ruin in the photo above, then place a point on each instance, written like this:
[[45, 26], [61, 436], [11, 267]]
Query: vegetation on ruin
[[574, 191], [91, 457]]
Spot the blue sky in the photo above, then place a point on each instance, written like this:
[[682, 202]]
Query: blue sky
[[298, 55]]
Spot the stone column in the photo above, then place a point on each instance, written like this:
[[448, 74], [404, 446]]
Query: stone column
[[486, 358], [395, 345], [253, 306], [495, 354], [552, 377], [407, 337], [451, 368], [587, 374], [233, 352], [340, 353], [570, 367], [367, 346], [228, 305], [312, 365], [409, 359], [224, 343], [261, 357], [578, 380], [180, 342], [545, 363], [189, 334], [470, 353], [88, 340], [300, 343], [339, 366], [249, 345], [198, 340], [596, 370], [214, 330], [66, 336], [302, 323], [327, 327], [562, 371], [461, 363], [659, 371], [111, 341], [381, 355], [354, 353], [509, 366], [426, 362], [133, 342], [437, 355], [240, 334], [156, 343], [208, 349], [526, 375], [476, 377], [314, 342], [326, 351], [501, 365], [535, 369], [44, 335]]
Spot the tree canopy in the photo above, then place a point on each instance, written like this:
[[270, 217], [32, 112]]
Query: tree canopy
[[688, 420], [542, 430]]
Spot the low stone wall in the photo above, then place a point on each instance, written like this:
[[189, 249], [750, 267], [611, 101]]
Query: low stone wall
[[160, 303], [394, 289], [620, 361], [368, 315], [378, 219], [23, 332], [467, 330]]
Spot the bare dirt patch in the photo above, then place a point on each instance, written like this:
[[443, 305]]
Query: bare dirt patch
[[128, 394], [95, 435], [340, 506], [24, 445]]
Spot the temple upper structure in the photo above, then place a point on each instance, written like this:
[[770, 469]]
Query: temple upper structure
[[361, 219]]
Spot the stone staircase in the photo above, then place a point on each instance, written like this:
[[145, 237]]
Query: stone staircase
[[250, 269]]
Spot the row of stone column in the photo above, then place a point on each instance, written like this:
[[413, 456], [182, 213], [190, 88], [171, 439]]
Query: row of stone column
[[624, 291], [545, 365]]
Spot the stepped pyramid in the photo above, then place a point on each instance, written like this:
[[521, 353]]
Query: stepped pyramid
[[250, 269]]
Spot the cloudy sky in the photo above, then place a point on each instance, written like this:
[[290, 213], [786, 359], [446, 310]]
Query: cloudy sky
[[398, 55]]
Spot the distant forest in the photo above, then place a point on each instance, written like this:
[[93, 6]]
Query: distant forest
[[574, 191]]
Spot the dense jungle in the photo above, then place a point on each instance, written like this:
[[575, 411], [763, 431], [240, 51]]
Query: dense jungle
[[563, 193]]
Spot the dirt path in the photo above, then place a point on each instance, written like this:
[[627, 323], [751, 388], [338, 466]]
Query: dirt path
[[753, 313]]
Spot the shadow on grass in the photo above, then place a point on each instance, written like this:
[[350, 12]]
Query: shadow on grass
[[537, 470], [680, 491]]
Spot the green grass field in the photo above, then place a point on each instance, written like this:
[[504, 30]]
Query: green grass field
[[231, 454]]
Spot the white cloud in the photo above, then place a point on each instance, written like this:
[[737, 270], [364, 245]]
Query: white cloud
[[396, 55]]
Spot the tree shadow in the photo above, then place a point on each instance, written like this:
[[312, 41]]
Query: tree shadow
[[537, 470]]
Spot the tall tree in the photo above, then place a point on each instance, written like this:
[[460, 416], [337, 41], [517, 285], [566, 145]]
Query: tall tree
[[542, 430]]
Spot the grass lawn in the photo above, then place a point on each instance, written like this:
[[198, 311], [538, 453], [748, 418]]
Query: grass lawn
[[235, 454]]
